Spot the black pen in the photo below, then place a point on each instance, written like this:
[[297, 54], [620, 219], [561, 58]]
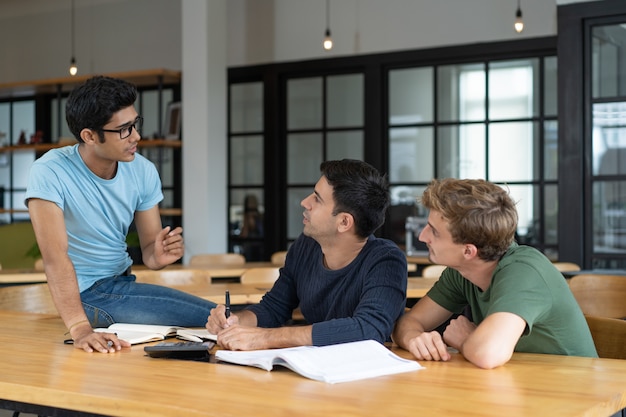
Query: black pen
[[227, 312]]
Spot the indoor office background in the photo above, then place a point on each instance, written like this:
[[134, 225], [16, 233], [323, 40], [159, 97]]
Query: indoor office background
[[420, 89]]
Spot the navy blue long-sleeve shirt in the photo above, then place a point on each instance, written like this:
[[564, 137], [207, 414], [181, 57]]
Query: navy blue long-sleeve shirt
[[361, 301]]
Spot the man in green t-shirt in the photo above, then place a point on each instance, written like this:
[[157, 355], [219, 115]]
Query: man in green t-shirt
[[518, 300]]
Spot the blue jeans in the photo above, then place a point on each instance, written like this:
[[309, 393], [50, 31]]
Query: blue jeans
[[123, 300]]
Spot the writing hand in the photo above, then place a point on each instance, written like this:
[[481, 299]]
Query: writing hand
[[217, 320]]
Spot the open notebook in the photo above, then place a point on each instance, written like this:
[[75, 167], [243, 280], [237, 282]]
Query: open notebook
[[143, 333], [335, 363]]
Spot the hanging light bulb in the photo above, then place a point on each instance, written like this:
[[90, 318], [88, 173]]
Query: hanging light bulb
[[73, 67], [328, 40], [519, 23]]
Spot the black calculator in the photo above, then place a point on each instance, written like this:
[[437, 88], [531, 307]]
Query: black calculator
[[181, 350]]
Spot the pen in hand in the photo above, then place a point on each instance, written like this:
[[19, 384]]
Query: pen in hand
[[227, 312]]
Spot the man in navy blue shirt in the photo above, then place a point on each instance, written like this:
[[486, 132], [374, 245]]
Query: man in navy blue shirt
[[349, 284]]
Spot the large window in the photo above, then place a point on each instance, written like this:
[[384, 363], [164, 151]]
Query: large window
[[494, 120], [487, 111]]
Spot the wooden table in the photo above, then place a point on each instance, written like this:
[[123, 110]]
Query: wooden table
[[252, 293], [8, 277], [37, 368]]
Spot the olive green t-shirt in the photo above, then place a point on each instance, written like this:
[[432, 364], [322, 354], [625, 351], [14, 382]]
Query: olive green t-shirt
[[524, 283]]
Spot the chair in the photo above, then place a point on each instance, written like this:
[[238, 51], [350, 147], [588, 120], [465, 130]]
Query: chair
[[278, 258], [217, 259], [433, 271], [609, 336], [173, 277], [600, 295], [261, 275], [566, 266], [30, 298]]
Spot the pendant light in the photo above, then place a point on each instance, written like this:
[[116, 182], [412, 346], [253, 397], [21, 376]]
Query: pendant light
[[519, 23], [328, 40], [73, 67]]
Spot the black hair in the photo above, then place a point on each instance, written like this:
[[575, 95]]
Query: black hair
[[358, 189], [92, 104]]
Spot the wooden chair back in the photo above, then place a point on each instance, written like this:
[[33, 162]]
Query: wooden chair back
[[600, 295], [278, 258], [29, 298], [212, 259], [433, 271], [173, 277], [261, 275], [609, 336], [566, 266]]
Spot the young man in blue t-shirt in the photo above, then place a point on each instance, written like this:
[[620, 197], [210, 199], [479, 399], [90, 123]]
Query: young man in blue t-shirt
[[82, 200]]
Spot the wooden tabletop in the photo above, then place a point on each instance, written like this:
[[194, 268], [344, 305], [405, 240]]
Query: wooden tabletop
[[252, 293], [37, 368]]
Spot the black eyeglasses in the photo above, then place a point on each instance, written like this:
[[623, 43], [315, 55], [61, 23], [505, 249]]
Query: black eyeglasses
[[128, 130]]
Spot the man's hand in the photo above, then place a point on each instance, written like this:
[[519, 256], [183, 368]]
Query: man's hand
[[429, 346], [169, 246], [458, 331], [238, 337], [217, 320], [90, 341]]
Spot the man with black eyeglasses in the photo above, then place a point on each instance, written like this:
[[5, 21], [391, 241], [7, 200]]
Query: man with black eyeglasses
[[82, 200]]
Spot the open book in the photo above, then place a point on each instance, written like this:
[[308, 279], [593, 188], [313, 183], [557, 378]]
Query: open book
[[195, 335], [335, 363], [143, 333]]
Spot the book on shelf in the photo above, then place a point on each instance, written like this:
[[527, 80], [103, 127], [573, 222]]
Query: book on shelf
[[144, 333], [334, 363]]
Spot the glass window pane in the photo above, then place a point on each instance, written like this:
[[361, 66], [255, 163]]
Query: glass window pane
[[304, 156], [294, 209], [551, 214], [246, 160], [5, 137], [527, 212], [609, 216], [304, 103], [411, 152], [461, 92], [149, 109], [246, 107], [608, 76], [513, 89], [411, 96], [513, 154], [404, 204], [551, 148], [344, 100], [347, 144], [23, 120], [238, 198], [461, 151], [609, 139], [65, 130], [551, 84], [22, 160]]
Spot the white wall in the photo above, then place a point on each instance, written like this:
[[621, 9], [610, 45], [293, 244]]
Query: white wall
[[123, 35]]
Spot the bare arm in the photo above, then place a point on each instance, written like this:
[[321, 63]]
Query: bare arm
[[49, 226], [490, 344], [240, 332], [159, 246]]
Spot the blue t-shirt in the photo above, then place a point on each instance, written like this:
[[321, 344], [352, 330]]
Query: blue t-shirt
[[361, 301], [97, 212]]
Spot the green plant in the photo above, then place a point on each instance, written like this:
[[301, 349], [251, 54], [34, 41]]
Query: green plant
[[33, 251]]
